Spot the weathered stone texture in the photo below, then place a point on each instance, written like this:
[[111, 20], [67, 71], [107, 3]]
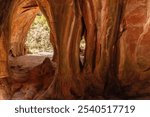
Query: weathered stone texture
[[23, 14], [117, 54], [134, 49], [5, 8]]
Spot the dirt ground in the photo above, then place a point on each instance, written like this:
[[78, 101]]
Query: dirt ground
[[26, 77]]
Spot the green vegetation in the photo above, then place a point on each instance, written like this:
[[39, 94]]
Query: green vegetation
[[38, 36]]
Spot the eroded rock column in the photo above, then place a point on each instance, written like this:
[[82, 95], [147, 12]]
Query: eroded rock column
[[5, 8]]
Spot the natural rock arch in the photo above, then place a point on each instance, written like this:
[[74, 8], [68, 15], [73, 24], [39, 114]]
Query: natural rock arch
[[111, 29], [23, 14]]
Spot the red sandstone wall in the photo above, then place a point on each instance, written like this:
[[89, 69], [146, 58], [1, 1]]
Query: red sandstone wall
[[135, 41]]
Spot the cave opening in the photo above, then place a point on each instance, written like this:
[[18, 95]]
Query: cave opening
[[38, 38], [82, 49], [34, 47], [30, 53]]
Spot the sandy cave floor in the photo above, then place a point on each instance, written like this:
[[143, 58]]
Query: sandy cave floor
[[27, 81]]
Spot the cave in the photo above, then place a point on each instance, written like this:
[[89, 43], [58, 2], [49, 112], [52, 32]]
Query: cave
[[100, 50]]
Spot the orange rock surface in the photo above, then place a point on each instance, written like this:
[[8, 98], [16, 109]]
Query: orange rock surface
[[116, 62]]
